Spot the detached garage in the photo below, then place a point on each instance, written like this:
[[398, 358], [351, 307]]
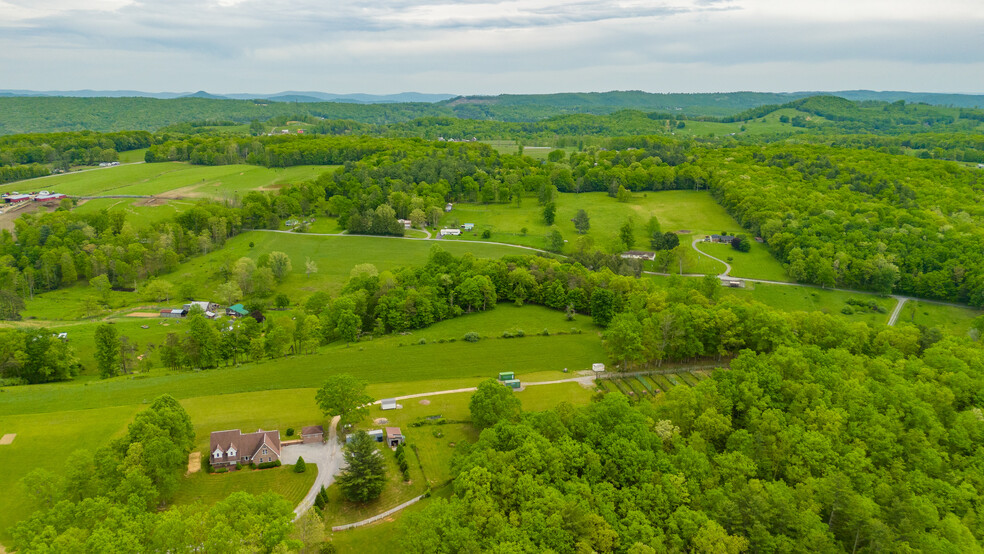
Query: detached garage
[[312, 433]]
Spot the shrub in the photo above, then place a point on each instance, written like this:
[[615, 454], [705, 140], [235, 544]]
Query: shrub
[[321, 500], [437, 433], [290, 431], [406, 474], [519, 333], [505, 335], [422, 341], [267, 465], [486, 234], [472, 337], [238, 466], [208, 467], [545, 332], [300, 466], [222, 470], [327, 548]]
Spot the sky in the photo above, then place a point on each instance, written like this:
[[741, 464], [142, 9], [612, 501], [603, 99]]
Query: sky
[[492, 46]]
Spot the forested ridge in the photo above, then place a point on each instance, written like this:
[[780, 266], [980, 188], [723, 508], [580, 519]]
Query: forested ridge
[[860, 219], [34, 155]]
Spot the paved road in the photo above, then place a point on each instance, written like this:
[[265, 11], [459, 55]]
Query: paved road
[[898, 309], [727, 266], [327, 456]]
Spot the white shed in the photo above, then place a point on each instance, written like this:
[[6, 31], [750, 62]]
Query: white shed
[[598, 367], [388, 403]]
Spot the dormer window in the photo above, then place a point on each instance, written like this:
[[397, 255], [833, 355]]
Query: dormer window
[[231, 452], [217, 454]]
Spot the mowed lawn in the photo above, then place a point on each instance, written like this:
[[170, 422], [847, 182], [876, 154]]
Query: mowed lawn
[[212, 488], [757, 263], [141, 212], [676, 210], [176, 178], [44, 441]]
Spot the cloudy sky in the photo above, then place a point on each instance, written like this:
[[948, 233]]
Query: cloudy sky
[[492, 46]]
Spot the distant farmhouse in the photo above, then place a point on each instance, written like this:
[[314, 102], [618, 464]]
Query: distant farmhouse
[[719, 238], [449, 232], [638, 255], [231, 447]]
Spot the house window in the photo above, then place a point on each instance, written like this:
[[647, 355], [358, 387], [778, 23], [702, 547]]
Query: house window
[[264, 450]]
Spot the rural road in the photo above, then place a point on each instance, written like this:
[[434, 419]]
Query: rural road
[[326, 456], [411, 238], [583, 379], [898, 309], [74, 172]]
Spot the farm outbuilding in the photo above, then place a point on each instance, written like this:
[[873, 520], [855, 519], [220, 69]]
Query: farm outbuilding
[[388, 404], [598, 368], [394, 436], [512, 383], [506, 375], [312, 434], [638, 255], [446, 232], [236, 310], [468, 226]]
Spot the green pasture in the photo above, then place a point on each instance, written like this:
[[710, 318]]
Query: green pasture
[[174, 179], [381, 537], [133, 156], [386, 363], [139, 213], [757, 263], [44, 441], [953, 319], [335, 257], [808, 299], [212, 488], [676, 210]]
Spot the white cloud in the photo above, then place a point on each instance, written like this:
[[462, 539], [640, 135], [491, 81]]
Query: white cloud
[[490, 46]]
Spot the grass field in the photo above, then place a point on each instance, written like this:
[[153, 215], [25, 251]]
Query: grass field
[[141, 212], [791, 299], [953, 319], [757, 263], [676, 210], [172, 179], [385, 363], [335, 256], [211, 488]]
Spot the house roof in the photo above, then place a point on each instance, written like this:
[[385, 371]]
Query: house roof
[[313, 430], [239, 309], [393, 432], [249, 443]]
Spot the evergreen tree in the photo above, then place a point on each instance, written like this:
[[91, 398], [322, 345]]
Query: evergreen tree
[[364, 478]]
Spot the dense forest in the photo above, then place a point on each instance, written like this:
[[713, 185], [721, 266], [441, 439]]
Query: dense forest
[[53, 114], [860, 219]]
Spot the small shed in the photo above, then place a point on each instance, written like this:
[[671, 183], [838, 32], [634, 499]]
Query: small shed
[[511, 383], [376, 434], [468, 226], [394, 436], [598, 368], [388, 403], [506, 375], [312, 434], [448, 207]]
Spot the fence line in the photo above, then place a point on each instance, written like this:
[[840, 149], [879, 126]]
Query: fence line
[[670, 371], [377, 517]]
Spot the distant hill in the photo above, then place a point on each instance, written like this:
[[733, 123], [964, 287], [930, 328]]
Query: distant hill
[[285, 96], [22, 113]]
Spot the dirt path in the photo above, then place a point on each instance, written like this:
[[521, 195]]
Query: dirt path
[[412, 238], [194, 463]]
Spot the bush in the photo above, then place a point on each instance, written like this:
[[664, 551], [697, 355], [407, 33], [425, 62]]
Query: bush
[[519, 333], [545, 332], [327, 548], [300, 466], [208, 467], [422, 341], [267, 465], [472, 337], [486, 234], [505, 335], [321, 500], [222, 470], [290, 431], [238, 466], [847, 310]]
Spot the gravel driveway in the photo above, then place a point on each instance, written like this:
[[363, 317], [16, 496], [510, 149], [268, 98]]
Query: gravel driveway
[[326, 455]]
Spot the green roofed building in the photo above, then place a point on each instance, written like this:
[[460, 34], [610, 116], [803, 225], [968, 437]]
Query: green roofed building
[[506, 375], [511, 383], [236, 310]]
